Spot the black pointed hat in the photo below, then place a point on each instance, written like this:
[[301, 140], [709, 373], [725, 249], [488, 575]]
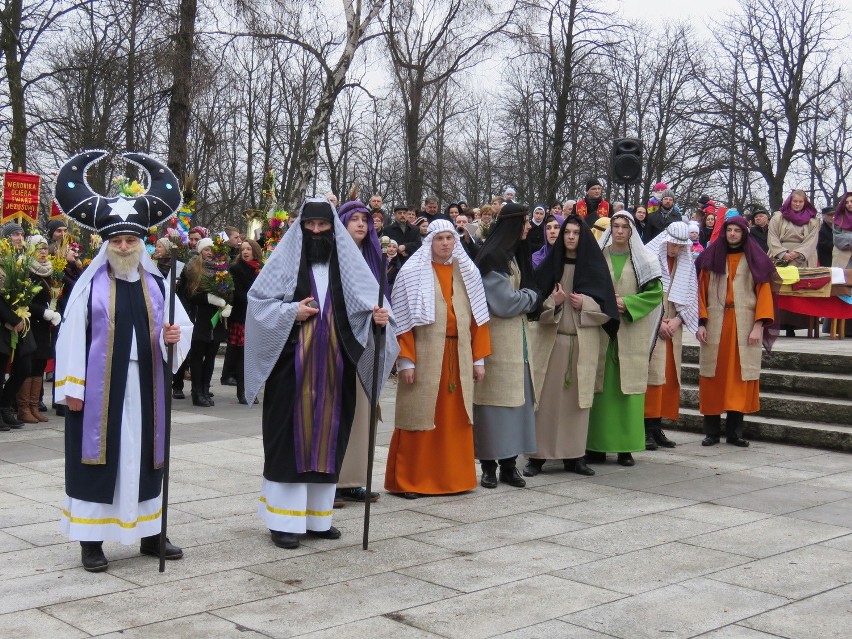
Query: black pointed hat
[[118, 215]]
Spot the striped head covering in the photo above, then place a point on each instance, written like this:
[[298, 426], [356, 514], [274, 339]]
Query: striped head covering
[[683, 291], [272, 309], [414, 290], [645, 264]]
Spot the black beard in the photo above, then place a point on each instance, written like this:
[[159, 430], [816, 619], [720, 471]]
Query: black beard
[[317, 246]]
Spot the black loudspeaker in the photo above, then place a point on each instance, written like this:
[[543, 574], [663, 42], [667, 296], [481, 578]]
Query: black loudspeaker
[[626, 160]]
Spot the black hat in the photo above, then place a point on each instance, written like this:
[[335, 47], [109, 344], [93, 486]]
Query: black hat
[[317, 209], [119, 215], [54, 225], [592, 182], [400, 207], [512, 209], [828, 210], [703, 199]]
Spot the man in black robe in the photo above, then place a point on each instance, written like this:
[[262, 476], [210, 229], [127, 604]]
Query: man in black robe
[[308, 330]]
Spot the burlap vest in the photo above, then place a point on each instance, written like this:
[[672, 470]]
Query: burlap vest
[[745, 301], [415, 403], [504, 369], [634, 338]]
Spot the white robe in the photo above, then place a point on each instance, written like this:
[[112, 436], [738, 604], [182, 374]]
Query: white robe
[[127, 519]]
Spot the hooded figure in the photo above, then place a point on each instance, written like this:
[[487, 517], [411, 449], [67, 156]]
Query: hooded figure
[[442, 316], [308, 332], [736, 315], [616, 422], [503, 412], [581, 304]]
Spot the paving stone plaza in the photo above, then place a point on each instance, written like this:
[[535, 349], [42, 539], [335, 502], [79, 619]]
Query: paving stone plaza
[[720, 542]]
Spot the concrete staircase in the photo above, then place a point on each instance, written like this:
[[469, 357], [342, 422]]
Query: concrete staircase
[[805, 399]]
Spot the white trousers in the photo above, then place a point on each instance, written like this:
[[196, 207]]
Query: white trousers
[[296, 508]]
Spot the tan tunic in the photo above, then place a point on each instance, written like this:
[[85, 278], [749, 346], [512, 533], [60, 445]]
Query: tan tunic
[[657, 367], [634, 338], [562, 418], [785, 236]]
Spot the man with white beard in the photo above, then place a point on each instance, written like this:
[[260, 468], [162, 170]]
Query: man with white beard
[[110, 368]]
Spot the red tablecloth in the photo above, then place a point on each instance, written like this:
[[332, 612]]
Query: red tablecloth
[[830, 307]]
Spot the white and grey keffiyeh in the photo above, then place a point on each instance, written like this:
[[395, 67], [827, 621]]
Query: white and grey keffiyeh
[[272, 309], [414, 290], [683, 292], [645, 264]]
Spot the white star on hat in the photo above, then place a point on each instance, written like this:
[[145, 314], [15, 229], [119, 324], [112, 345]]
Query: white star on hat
[[123, 208]]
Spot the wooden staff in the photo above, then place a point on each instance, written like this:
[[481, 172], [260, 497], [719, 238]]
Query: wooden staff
[[379, 341], [167, 387]]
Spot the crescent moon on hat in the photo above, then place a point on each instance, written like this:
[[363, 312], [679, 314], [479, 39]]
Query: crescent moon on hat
[[77, 200]]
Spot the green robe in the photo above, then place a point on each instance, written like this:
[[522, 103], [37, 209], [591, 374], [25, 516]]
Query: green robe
[[617, 421]]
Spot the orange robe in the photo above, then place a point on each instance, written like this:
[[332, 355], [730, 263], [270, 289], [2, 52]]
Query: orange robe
[[664, 400], [727, 390], [439, 461]]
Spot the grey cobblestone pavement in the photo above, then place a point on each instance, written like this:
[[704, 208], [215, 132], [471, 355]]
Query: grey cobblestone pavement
[[717, 542]]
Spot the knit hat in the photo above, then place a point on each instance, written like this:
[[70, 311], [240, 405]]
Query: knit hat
[[678, 233], [592, 182], [667, 193], [694, 227], [12, 227], [54, 225], [203, 244], [660, 186], [510, 189], [203, 232], [36, 240]]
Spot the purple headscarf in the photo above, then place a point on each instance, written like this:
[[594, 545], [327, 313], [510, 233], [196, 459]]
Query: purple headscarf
[[842, 217], [715, 257], [799, 218], [544, 251], [370, 247]]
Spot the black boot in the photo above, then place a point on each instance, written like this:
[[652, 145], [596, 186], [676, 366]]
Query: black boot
[[734, 429], [509, 473], [92, 556], [209, 396], [712, 430], [533, 467], [489, 473], [578, 466], [595, 457], [626, 459], [658, 434], [200, 399], [650, 443], [151, 546], [10, 417]]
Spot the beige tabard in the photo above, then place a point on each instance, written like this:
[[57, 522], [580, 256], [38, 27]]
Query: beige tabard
[[657, 368], [415, 403], [634, 338], [745, 301]]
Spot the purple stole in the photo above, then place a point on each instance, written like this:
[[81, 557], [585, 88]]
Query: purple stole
[[319, 389], [100, 360]]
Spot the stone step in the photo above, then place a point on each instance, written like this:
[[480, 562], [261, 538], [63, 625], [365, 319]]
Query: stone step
[[837, 385], [786, 406], [785, 431], [789, 360]]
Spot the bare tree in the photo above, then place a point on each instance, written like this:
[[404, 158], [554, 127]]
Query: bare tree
[[429, 43], [773, 63]]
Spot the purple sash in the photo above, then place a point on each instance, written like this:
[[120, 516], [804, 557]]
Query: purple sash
[[319, 388], [100, 360]]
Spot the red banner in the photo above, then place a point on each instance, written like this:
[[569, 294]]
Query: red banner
[[20, 196], [54, 210]]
